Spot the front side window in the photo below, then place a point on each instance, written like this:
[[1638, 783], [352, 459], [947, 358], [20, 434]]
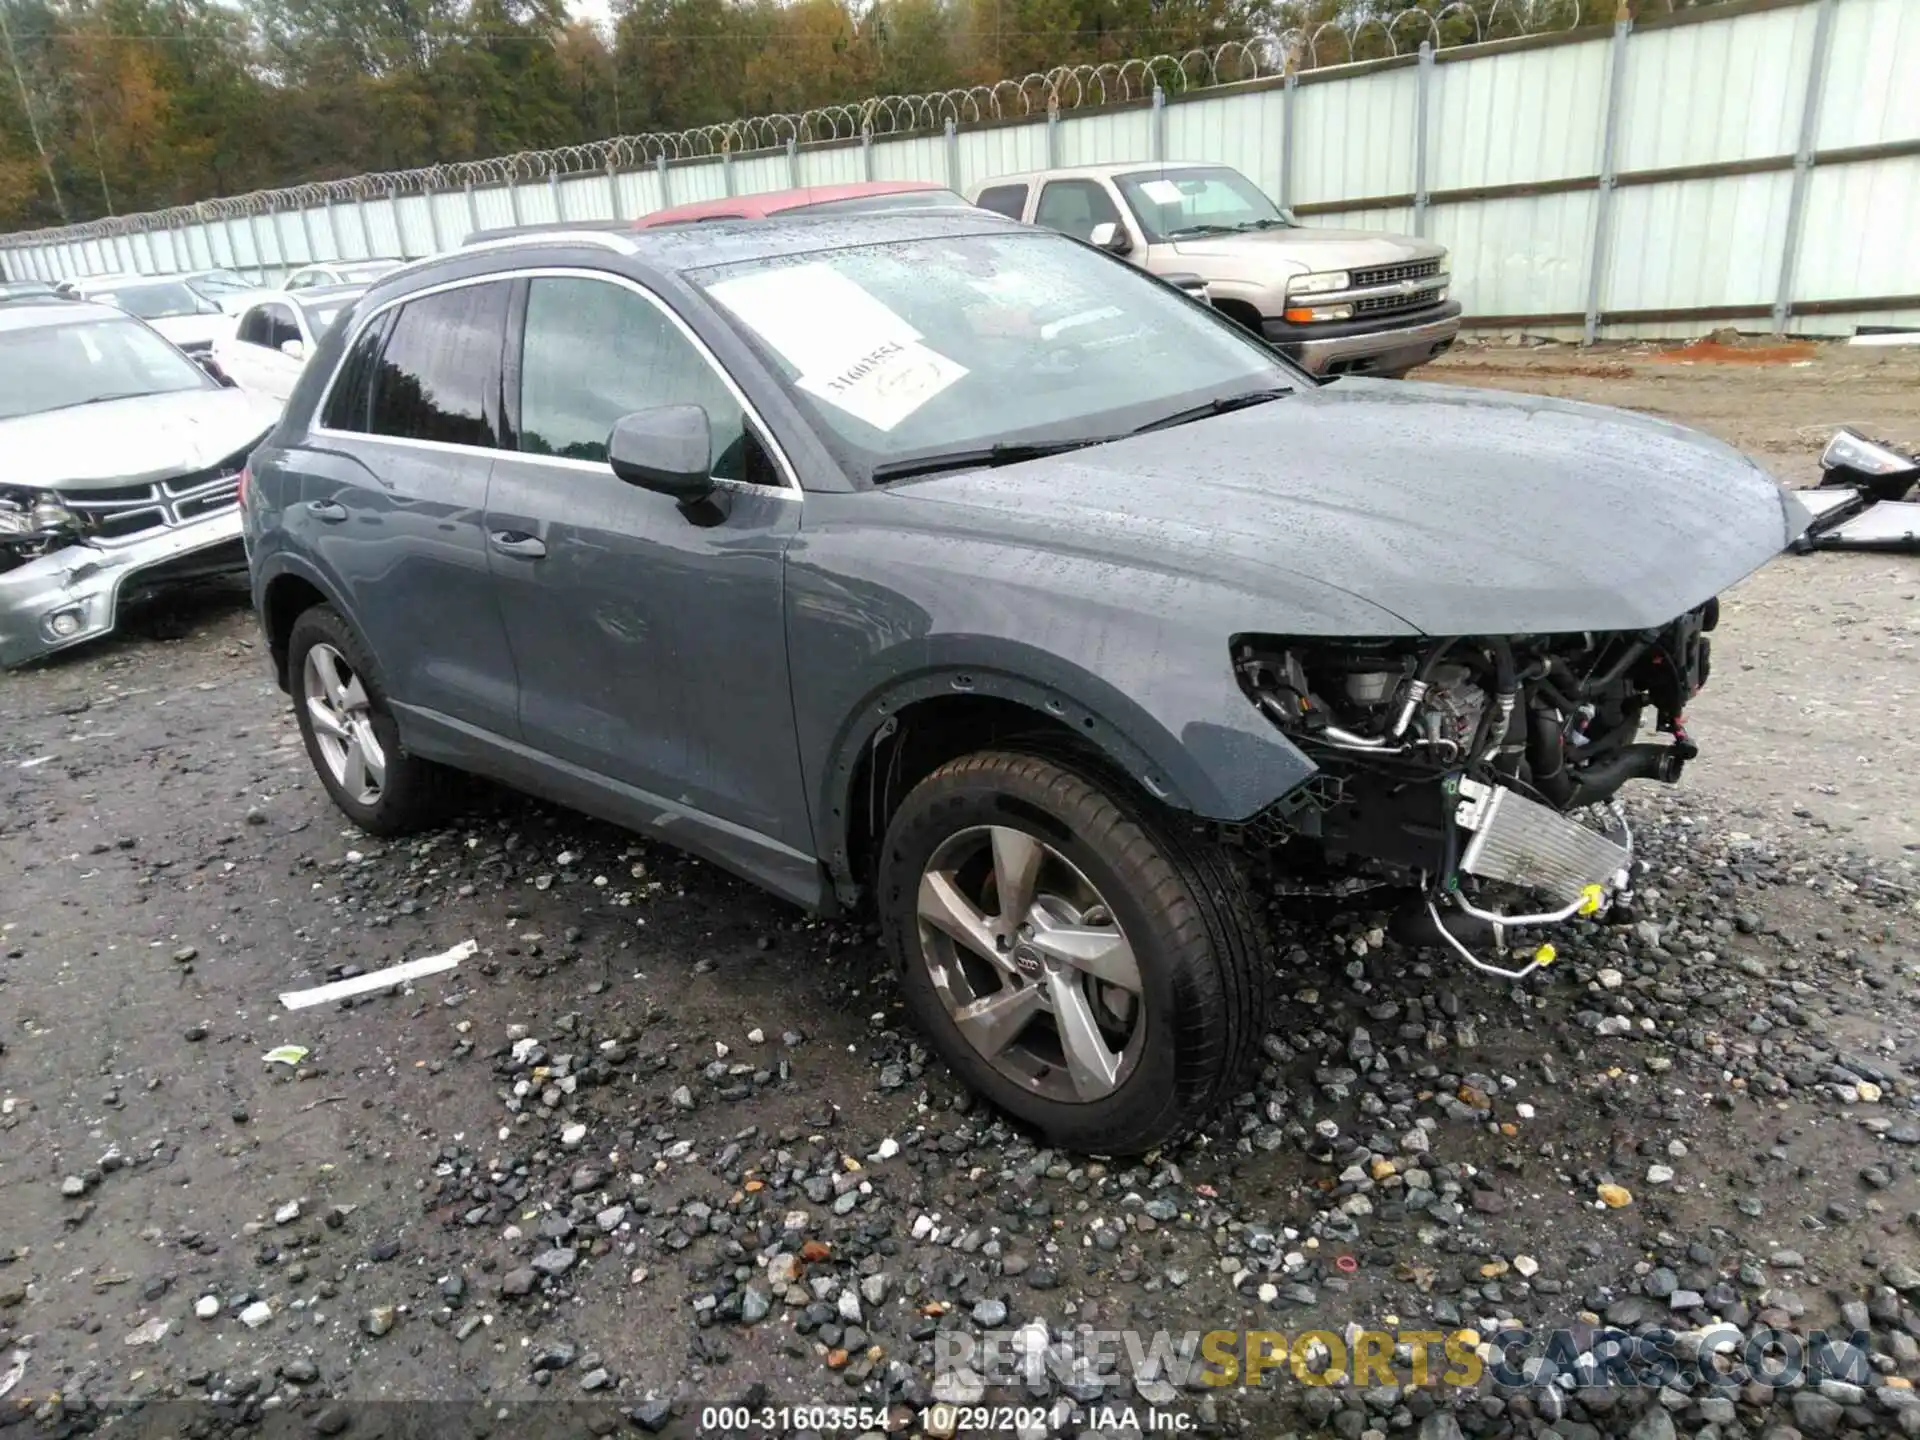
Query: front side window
[[1198, 200], [438, 375], [281, 326], [56, 367], [256, 327], [1074, 207], [905, 349], [303, 279], [1007, 200], [595, 351]]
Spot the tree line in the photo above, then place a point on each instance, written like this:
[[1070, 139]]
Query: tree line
[[120, 106]]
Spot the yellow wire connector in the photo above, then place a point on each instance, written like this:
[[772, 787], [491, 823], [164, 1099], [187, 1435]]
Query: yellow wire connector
[[1545, 956], [1596, 897]]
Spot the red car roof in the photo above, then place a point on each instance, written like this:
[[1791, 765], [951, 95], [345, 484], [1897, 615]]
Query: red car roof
[[772, 202]]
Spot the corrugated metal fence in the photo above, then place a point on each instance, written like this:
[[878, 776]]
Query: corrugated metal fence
[[1755, 163]]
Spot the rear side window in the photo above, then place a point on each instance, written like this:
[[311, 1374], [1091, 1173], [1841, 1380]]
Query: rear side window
[[1007, 200], [281, 326], [439, 374]]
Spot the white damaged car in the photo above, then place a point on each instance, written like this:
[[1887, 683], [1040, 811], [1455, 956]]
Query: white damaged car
[[122, 469]]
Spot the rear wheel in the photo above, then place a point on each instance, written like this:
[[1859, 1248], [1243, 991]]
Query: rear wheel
[[350, 733], [1075, 964]]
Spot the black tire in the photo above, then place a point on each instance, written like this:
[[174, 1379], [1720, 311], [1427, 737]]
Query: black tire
[[1181, 903], [416, 793]]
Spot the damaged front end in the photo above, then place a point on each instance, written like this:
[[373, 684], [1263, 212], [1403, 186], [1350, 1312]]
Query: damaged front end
[[67, 558], [1481, 770]]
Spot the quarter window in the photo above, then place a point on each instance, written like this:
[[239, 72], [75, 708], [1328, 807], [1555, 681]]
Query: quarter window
[[347, 401], [1074, 207], [594, 351], [1007, 200], [438, 376]]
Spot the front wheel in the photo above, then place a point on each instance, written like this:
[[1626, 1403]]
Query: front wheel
[[1083, 970]]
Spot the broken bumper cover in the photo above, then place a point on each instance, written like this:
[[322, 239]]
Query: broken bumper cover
[[73, 594]]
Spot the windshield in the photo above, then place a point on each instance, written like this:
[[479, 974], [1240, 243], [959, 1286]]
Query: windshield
[[916, 348], [159, 301], [53, 367], [220, 282], [1198, 200]]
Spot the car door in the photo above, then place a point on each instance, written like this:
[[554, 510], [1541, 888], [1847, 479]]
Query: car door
[[651, 649], [393, 499]]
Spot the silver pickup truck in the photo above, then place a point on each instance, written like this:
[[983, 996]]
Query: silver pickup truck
[[1338, 302]]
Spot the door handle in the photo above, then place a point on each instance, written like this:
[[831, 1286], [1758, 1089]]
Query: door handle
[[327, 510], [518, 542]]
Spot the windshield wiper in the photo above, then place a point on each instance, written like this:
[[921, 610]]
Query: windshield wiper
[[1201, 230], [1214, 407], [986, 456], [96, 400], [1265, 222]]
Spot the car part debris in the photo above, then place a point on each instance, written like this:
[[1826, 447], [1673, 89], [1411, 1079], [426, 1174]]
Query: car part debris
[[1860, 502], [285, 1055], [379, 979], [1882, 471]]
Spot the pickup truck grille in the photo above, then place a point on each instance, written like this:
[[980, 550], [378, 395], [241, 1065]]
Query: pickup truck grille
[[1394, 274], [1391, 304], [127, 511]]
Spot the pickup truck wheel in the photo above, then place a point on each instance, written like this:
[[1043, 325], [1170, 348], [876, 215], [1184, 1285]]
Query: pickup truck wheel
[[1087, 973], [349, 730]]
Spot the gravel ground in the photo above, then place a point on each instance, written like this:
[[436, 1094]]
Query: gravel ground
[[663, 1143]]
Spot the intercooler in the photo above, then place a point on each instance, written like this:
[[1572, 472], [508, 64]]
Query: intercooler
[[1520, 842]]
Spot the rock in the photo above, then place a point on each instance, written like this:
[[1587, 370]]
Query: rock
[[1526, 1265], [597, 1378], [848, 1306], [1614, 1196], [555, 1262], [516, 1283], [990, 1314], [287, 1213], [1901, 1276], [207, 1306], [873, 1289], [73, 1187], [151, 1333], [755, 1303], [1815, 1414], [682, 1098], [256, 1315], [573, 1136], [1655, 1424], [652, 1415], [378, 1321], [1659, 1174], [333, 1420]]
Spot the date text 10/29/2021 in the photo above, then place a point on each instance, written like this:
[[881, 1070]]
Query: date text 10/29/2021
[[939, 1418]]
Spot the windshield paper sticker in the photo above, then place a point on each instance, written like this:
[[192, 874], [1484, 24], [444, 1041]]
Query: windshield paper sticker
[[887, 383], [851, 350], [1162, 192]]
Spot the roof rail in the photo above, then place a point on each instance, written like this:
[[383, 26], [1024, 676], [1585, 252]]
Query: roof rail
[[605, 239]]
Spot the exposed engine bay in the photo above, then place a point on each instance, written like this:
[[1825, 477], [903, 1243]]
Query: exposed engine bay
[[1457, 765], [34, 523]]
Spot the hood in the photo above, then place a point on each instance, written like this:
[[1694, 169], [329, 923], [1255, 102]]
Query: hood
[[1304, 248], [1462, 512], [130, 442], [194, 329]]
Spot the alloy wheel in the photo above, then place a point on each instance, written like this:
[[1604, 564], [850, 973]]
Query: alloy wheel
[[341, 716], [1031, 964]]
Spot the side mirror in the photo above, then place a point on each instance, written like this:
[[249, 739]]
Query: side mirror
[[207, 363], [1852, 459], [668, 449], [1110, 237], [294, 349]]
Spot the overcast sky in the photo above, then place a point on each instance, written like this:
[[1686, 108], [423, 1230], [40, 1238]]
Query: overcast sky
[[597, 10]]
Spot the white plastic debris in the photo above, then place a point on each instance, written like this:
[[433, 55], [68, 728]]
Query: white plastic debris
[[380, 979]]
